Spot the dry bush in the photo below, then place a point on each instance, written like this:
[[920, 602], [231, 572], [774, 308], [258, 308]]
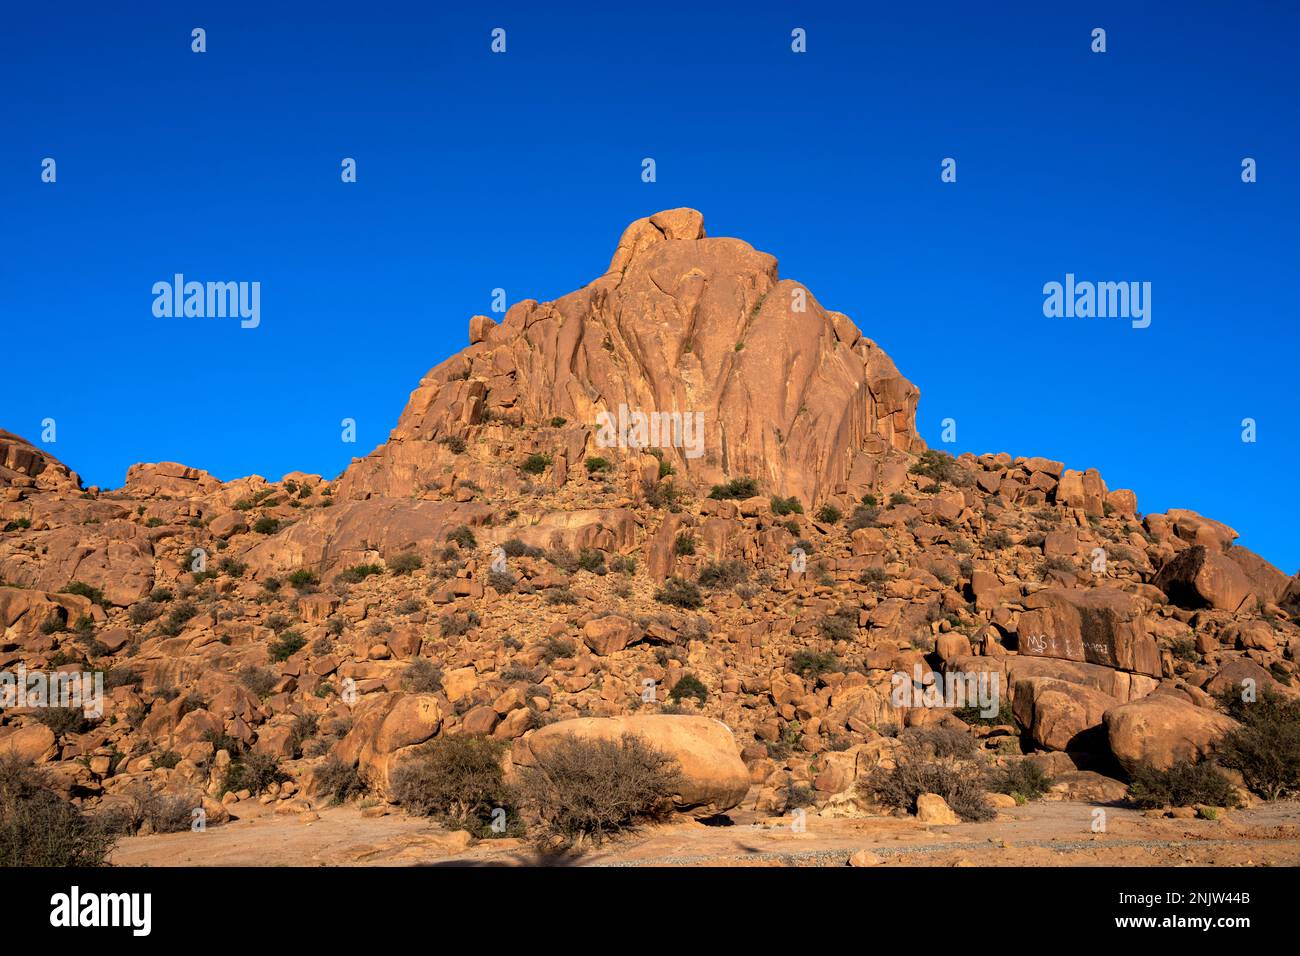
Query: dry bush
[[591, 789]]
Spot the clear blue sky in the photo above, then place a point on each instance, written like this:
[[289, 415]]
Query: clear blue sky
[[520, 170]]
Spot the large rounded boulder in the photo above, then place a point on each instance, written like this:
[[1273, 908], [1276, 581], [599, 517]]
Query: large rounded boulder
[[713, 777]]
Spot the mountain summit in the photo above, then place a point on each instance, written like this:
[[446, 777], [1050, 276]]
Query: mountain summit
[[681, 324]]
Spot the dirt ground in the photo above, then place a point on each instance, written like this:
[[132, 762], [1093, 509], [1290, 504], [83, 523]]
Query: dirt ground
[[1038, 834]]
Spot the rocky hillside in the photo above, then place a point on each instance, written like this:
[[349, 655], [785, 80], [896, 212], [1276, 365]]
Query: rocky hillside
[[496, 568]]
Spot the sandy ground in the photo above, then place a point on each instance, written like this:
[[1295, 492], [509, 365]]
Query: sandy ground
[[1038, 834]]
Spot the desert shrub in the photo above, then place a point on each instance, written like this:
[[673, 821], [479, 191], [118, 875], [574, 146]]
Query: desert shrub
[[735, 488], [252, 771], [303, 578], [422, 676], [595, 465], [974, 715], [553, 648], [63, 720], [589, 559], [1266, 748], [1181, 785], [286, 645], [623, 564], [167, 759], [85, 590], [457, 780], [145, 810], [996, 541], [841, 625], [812, 664], [724, 574], [561, 596], [915, 774], [454, 625], [266, 525], [688, 685], [40, 828], [404, 563], [679, 593], [502, 581], [232, 568], [535, 464], [258, 680], [305, 727], [517, 549], [337, 780], [409, 606], [591, 789], [940, 742], [864, 516], [359, 572], [685, 543], [899, 498], [1184, 649], [454, 443], [143, 612], [829, 514], [786, 506], [1023, 779], [463, 536], [939, 466]]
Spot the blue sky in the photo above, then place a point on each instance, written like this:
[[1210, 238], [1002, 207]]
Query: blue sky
[[478, 171]]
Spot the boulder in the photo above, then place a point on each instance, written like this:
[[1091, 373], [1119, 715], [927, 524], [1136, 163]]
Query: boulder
[[608, 634], [1162, 730], [713, 777], [1062, 716], [1097, 626], [1200, 577]]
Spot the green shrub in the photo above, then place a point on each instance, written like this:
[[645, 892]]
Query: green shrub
[[688, 685], [1266, 748], [1181, 785], [829, 514], [266, 525], [288, 644], [303, 577], [685, 544], [535, 464], [595, 465], [359, 572], [463, 536], [1023, 779], [786, 506], [404, 563], [517, 549], [581, 790], [95, 595], [679, 593], [561, 596], [735, 488], [812, 664], [554, 648], [253, 772], [589, 559], [63, 720], [455, 443]]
